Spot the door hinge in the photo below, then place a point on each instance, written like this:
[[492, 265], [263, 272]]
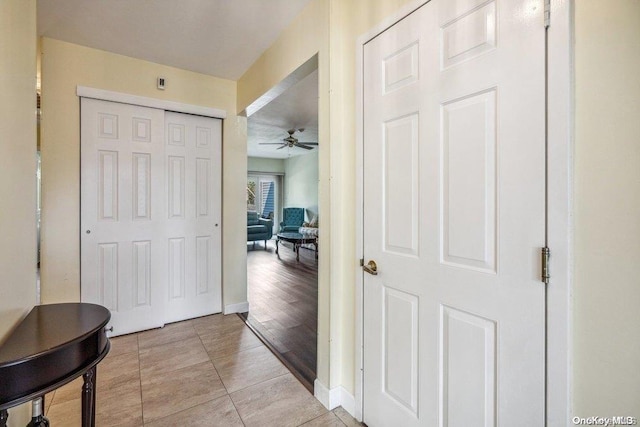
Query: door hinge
[[547, 13], [546, 253]]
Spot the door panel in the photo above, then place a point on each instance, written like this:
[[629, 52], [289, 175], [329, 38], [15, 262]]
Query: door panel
[[469, 35], [469, 182], [468, 360], [454, 216], [400, 343], [193, 152], [142, 273], [400, 171], [122, 237]]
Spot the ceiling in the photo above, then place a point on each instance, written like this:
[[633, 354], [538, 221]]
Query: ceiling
[[221, 38], [296, 108]]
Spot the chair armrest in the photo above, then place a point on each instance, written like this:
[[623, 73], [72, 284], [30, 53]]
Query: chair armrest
[[267, 222]]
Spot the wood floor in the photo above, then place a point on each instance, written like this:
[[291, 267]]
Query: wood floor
[[283, 304]]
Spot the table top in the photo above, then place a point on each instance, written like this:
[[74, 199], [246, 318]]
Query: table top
[[48, 327], [53, 345]]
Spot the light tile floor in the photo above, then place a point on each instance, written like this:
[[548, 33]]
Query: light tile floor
[[210, 371]]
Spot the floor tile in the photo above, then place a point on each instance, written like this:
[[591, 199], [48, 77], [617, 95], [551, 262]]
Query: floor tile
[[165, 395], [216, 323], [220, 344], [114, 371], [67, 414], [218, 412], [170, 357], [123, 344], [48, 399], [346, 417], [280, 402], [119, 405], [67, 392], [248, 367], [326, 420], [169, 374], [168, 334]]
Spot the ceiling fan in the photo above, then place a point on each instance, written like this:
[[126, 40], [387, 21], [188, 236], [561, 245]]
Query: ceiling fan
[[291, 141]]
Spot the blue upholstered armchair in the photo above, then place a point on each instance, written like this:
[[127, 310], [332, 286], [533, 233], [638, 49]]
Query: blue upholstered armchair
[[292, 219], [258, 228]]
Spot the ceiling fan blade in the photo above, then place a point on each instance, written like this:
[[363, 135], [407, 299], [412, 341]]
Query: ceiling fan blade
[[308, 143], [269, 143], [306, 147], [280, 148]]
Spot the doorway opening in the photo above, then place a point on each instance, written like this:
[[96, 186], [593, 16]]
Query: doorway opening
[[282, 225]]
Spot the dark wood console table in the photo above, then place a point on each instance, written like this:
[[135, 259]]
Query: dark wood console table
[[52, 346]]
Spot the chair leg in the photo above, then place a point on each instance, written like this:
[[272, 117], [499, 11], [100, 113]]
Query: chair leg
[[265, 245]]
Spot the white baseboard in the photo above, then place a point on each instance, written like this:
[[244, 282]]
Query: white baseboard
[[348, 402], [241, 307], [321, 393], [335, 397]]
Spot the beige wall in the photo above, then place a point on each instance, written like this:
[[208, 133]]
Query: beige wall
[[349, 20], [301, 183], [65, 66], [17, 169], [261, 164], [607, 208]]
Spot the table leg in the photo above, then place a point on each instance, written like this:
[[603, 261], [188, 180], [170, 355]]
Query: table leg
[[277, 253], [316, 245], [4, 416], [89, 398]]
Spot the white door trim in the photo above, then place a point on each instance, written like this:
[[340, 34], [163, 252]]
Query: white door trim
[[560, 220], [143, 101]]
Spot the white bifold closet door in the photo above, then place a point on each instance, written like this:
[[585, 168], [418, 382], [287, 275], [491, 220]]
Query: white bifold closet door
[[193, 188], [150, 210]]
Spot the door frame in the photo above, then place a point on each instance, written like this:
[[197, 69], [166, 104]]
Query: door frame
[[559, 205], [143, 101]]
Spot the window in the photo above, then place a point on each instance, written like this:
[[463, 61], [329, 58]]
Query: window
[[263, 196], [267, 198]]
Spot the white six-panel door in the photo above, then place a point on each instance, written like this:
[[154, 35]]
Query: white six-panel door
[[122, 236], [150, 214], [454, 217], [193, 186]]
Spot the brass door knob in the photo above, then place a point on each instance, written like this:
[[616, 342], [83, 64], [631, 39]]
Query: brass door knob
[[371, 267]]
